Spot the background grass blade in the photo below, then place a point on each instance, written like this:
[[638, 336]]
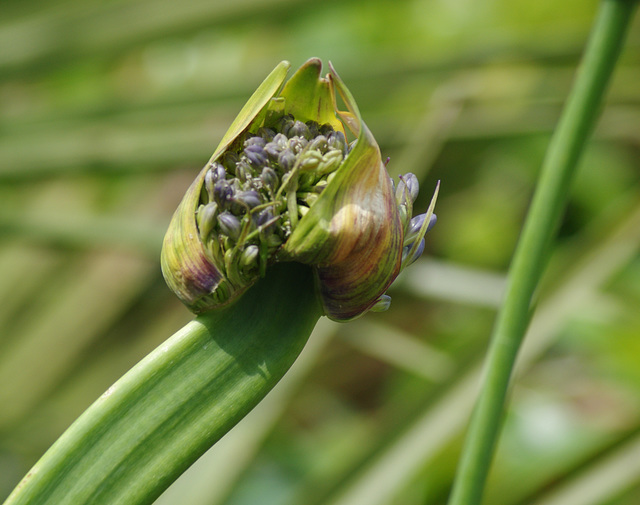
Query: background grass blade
[[549, 201]]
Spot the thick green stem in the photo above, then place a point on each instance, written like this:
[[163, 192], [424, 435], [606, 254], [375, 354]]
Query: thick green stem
[[140, 435], [549, 201]]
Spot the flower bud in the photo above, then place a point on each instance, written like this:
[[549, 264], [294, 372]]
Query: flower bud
[[255, 154], [285, 185], [269, 178], [206, 219], [229, 225], [381, 304], [298, 129], [416, 225], [247, 199], [249, 259]]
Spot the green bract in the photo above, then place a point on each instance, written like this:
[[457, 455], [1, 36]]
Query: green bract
[[285, 185]]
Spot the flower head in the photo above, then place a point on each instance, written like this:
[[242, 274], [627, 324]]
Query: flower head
[[285, 184]]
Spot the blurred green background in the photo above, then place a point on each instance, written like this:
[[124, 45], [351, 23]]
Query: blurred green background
[[109, 110]]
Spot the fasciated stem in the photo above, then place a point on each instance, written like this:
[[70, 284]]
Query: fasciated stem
[[567, 144], [152, 424]]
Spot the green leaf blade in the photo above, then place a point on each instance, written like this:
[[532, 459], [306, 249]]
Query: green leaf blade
[[159, 418]]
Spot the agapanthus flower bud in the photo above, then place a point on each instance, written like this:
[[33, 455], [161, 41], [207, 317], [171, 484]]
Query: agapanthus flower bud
[[206, 219], [246, 200], [269, 178], [285, 185], [249, 259], [229, 225], [416, 224]]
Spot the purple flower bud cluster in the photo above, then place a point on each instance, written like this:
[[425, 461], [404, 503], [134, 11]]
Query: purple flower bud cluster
[[414, 227], [254, 194]]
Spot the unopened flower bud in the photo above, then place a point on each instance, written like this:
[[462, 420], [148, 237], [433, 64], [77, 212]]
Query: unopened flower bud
[[410, 253], [256, 140], [416, 225], [381, 304], [247, 199], [215, 173], [255, 154], [229, 225], [207, 219], [412, 185], [286, 160], [249, 258], [298, 129], [269, 178], [319, 143], [336, 141], [285, 185], [222, 193]]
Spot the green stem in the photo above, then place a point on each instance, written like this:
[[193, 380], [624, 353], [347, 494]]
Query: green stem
[[567, 144], [140, 435]]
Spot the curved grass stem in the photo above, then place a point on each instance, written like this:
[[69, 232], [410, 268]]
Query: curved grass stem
[[567, 144], [152, 424]]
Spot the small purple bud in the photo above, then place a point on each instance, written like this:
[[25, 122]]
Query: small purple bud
[[263, 217], [281, 141], [432, 222], [336, 141], [255, 154], [243, 171], [406, 260], [217, 171], [297, 144], [269, 178], [255, 141], [209, 183], [222, 193], [276, 146], [286, 160], [248, 199], [410, 182], [229, 225], [319, 144], [298, 129], [273, 150], [418, 221]]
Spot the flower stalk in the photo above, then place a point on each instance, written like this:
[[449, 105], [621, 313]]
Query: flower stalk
[[566, 146]]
